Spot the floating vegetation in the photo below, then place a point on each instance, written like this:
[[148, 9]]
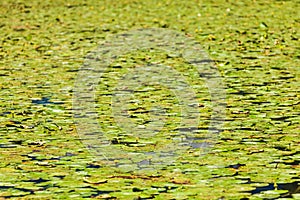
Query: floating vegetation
[[253, 44]]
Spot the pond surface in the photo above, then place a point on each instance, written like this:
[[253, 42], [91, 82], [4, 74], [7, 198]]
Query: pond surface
[[254, 45]]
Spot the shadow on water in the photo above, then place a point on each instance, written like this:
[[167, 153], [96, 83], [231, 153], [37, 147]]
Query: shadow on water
[[292, 188]]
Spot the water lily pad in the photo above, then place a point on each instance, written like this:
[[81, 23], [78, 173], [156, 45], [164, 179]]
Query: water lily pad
[[44, 44]]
